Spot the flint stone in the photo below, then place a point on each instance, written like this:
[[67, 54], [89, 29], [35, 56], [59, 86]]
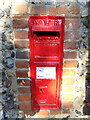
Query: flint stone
[[9, 47], [85, 21], [0, 106], [88, 93], [1, 23], [3, 47], [84, 12], [9, 104], [4, 96], [8, 90], [1, 114], [84, 32], [1, 57], [8, 31], [82, 2], [84, 45], [8, 34], [16, 106], [9, 63], [8, 83], [4, 90], [86, 110], [5, 115], [7, 23], [0, 83], [4, 78], [12, 54], [79, 43], [4, 38], [7, 54], [78, 112], [1, 14], [4, 61], [10, 96], [1, 66], [8, 10], [10, 73], [48, 3], [0, 45], [0, 97]]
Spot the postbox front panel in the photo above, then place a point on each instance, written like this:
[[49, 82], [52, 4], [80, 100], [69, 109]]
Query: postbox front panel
[[46, 57]]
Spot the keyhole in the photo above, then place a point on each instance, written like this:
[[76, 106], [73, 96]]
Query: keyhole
[[40, 90]]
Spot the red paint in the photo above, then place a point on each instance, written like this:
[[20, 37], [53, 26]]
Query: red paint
[[46, 50]]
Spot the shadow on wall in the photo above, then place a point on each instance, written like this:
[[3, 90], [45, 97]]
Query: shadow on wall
[[86, 109]]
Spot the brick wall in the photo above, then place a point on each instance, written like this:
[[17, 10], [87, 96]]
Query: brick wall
[[21, 13]]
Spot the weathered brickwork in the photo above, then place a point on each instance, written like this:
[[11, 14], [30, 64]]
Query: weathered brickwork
[[16, 54]]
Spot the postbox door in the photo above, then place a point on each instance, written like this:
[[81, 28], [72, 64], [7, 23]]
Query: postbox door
[[46, 57], [45, 90]]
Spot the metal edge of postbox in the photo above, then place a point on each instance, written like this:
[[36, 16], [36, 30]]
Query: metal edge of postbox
[[46, 27]]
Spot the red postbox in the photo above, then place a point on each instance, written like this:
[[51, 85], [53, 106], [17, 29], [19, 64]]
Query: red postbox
[[46, 58]]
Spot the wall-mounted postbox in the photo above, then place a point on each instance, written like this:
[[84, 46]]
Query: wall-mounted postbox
[[46, 58]]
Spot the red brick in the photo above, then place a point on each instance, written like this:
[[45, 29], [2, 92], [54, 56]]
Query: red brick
[[67, 96], [20, 23], [74, 8], [73, 24], [43, 112], [22, 64], [25, 106], [69, 72], [55, 111], [70, 55], [24, 90], [70, 45], [53, 11], [43, 116], [38, 10], [57, 10], [67, 104], [22, 73], [70, 63], [72, 35], [21, 44], [66, 111], [24, 82], [21, 8], [67, 89], [24, 97], [68, 81], [22, 54], [21, 34], [62, 10], [29, 112]]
